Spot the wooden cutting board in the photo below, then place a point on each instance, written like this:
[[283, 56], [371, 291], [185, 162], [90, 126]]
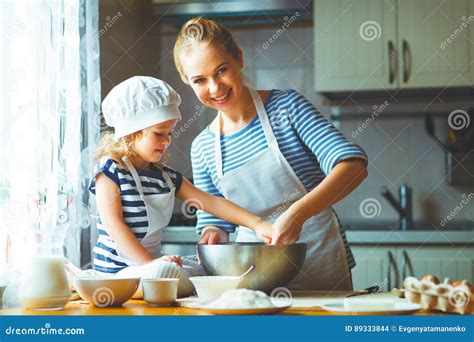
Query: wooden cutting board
[[312, 300]]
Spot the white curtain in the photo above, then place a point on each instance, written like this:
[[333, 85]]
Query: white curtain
[[49, 124]]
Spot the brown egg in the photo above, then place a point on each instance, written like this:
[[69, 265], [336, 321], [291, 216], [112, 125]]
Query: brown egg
[[411, 283], [447, 281], [465, 283], [442, 289], [430, 277]]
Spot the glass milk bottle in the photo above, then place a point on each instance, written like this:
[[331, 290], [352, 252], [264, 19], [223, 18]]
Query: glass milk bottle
[[44, 283]]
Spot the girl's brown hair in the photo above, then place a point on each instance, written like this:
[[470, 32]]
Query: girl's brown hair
[[198, 31], [115, 149]]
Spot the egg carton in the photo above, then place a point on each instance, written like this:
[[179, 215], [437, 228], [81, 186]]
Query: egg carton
[[457, 297]]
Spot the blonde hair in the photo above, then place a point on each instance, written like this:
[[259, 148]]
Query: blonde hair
[[115, 149], [203, 31]]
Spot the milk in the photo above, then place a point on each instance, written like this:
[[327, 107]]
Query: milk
[[44, 277]]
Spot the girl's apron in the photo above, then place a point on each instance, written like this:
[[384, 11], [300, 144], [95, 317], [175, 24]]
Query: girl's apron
[[159, 208]]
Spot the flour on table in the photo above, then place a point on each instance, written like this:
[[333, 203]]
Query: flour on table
[[242, 299]]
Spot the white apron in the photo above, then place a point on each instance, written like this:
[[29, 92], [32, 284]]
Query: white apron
[[266, 185], [159, 208]]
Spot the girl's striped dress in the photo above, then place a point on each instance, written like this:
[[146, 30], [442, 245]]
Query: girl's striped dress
[[106, 258]]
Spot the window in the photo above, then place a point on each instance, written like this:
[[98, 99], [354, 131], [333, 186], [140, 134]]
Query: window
[[49, 123]]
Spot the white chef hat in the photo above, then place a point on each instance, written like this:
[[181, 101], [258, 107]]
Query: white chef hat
[[138, 103]]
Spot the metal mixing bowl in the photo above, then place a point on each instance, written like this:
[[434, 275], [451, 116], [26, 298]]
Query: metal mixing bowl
[[275, 265]]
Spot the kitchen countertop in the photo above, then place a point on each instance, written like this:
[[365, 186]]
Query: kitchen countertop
[[139, 308], [410, 237], [187, 234]]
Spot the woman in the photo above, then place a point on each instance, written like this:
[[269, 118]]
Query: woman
[[270, 152]]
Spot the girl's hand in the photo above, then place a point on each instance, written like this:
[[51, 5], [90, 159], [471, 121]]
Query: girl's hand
[[212, 235], [264, 231], [173, 258], [287, 228]]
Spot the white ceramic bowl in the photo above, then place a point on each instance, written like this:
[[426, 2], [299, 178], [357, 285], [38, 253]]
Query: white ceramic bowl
[[160, 292], [211, 287], [105, 292]]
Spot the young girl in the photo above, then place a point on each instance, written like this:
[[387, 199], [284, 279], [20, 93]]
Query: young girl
[[271, 152], [135, 192]]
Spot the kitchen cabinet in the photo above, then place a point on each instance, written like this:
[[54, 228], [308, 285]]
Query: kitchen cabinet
[[345, 61], [444, 262], [387, 266], [426, 58], [372, 267], [393, 44]]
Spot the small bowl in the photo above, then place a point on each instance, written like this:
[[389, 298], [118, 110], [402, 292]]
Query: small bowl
[[211, 287], [105, 292], [160, 292]]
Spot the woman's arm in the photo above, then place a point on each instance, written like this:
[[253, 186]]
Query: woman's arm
[[344, 177], [224, 209], [110, 209]]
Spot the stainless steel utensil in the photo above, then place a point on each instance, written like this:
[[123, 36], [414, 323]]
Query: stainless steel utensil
[[368, 290], [275, 265], [247, 272]]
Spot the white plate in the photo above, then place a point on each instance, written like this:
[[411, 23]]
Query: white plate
[[199, 304], [401, 308], [256, 311]]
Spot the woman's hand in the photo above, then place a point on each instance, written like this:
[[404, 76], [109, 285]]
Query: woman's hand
[[173, 258], [287, 228], [264, 231], [211, 235]]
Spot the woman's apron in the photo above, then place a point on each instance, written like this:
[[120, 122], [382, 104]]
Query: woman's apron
[[266, 185]]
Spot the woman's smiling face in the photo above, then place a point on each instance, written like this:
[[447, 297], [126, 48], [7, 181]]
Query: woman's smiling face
[[214, 75]]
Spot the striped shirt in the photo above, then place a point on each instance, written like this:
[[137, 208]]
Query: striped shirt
[[309, 142], [106, 258]]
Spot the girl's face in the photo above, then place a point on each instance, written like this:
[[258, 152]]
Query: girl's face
[[214, 75], [154, 142]]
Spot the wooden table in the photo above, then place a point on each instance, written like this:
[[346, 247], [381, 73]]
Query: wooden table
[[130, 308], [140, 308]]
